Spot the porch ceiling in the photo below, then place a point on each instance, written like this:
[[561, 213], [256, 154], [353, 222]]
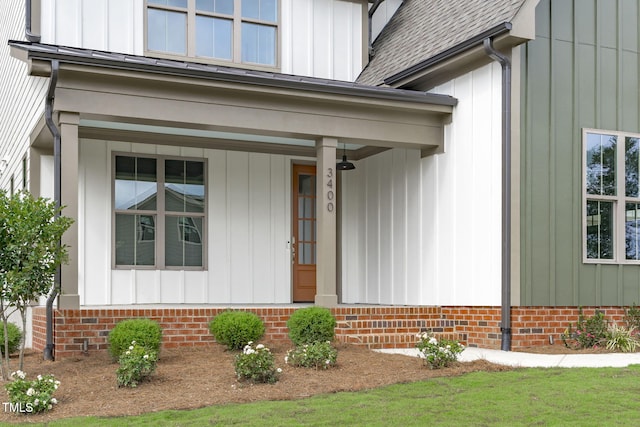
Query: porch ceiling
[[140, 99]]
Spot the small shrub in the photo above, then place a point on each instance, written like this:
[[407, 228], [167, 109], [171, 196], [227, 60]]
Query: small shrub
[[256, 364], [319, 355], [622, 339], [145, 332], [32, 396], [136, 364], [235, 329], [589, 332], [310, 325], [15, 338], [438, 353], [632, 318]]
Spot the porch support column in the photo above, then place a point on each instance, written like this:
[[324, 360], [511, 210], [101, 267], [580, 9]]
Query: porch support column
[[69, 122], [326, 289]]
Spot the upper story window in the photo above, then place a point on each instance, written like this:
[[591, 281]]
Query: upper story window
[[612, 196], [238, 31]]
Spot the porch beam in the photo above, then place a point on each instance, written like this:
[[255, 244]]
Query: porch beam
[[326, 288], [69, 122]]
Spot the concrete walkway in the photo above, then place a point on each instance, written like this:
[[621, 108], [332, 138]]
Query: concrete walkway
[[533, 360]]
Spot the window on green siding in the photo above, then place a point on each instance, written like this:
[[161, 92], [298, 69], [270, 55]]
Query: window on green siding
[[159, 212], [236, 31], [612, 197]]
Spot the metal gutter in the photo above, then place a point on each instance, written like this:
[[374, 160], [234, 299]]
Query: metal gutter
[[505, 318], [27, 24], [57, 196], [493, 32], [86, 57]]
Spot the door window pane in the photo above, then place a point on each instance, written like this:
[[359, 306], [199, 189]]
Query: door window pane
[[216, 6], [135, 239], [183, 241], [167, 31], [135, 183], [184, 186], [214, 37], [258, 44], [601, 164], [600, 226]]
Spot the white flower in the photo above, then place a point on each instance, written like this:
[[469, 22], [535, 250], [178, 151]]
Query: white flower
[[286, 359], [39, 377], [49, 407], [30, 392], [36, 402], [54, 400], [19, 374], [133, 342], [146, 356], [259, 346], [279, 370], [127, 352], [250, 343], [433, 341], [328, 362], [130, 347]]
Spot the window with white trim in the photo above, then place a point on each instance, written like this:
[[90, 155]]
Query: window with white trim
[[159, 212], [237, 31], [612, 196]]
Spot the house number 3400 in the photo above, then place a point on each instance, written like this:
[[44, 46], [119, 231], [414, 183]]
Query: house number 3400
[[330, 193]]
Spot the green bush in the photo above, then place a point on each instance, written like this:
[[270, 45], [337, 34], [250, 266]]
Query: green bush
[[136, 364], [310, 325], [236, 328], [632, 317], [256, 365], [15, 337], [145, 332], [591, 332], [622, 339], [318, 355]]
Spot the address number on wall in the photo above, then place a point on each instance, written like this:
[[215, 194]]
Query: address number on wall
[[330, 193]]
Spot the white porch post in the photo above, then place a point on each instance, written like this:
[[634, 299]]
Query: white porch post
[[326, 289], [69, 122]]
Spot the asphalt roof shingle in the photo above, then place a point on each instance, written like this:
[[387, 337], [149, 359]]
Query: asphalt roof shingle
[[421, 29]]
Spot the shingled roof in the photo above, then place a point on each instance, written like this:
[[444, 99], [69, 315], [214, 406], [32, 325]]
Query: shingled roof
[[421, 29]]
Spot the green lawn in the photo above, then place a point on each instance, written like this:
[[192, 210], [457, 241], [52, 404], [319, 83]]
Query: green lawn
[[558, 397]]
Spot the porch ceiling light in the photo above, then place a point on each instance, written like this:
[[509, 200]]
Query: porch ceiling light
[[345, 165]]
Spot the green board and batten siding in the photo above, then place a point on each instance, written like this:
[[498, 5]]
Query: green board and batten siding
[[580, 72]]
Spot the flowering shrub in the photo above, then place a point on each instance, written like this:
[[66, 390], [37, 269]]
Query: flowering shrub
[[622, 339], [136, 364], [32, 396], [256, 364], [319, 355], [438, 353], [592, 332]]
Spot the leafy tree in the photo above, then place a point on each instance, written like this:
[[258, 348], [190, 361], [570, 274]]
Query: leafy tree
[[30, 253]]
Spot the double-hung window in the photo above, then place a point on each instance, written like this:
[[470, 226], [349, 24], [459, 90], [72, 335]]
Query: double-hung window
[[237, 31], [612, 196], [159, 212]]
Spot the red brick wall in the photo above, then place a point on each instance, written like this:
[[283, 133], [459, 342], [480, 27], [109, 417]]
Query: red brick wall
[[374, 327]]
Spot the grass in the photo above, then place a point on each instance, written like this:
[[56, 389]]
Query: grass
[[524, 397]]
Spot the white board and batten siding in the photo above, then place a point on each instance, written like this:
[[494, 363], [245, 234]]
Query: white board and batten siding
[[319, 38], [248, 232], [428, 231]]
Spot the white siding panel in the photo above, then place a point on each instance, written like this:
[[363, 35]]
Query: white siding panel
[[238, 226], [383, 15], [281, 230], [171, 287], [195, 287], [260, 249], [219, 281], [122, 286], [324, 40], [95, 223], [95, 24], [147, 286]]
